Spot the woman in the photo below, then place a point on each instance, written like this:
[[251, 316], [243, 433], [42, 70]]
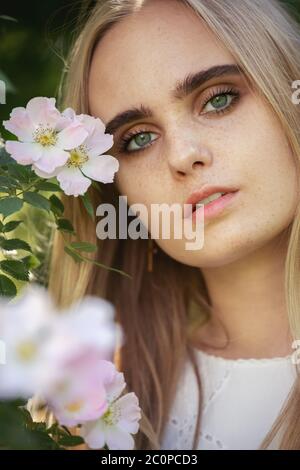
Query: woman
[[212, 83]]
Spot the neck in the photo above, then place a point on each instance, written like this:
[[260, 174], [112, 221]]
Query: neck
[[249, 312]]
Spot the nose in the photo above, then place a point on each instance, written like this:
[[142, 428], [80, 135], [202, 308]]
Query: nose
[[187, 154]]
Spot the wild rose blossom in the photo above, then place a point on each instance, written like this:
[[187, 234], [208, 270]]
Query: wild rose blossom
[[25, 328], [86, 162], [45, 135], [61, 359], [121, 418], [65, 145], [77, 394]]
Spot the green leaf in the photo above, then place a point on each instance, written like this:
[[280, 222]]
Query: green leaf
[[37, 200], [7, 287], [10, 205], [69, 441], [83, 246], [4, 190], [10, 226], [65, 226], [22, 173], [9, 182], [88, 205], [5, 157], [97, 186], [14, 244], [15, 268], [76, 257], [31, 261], [47, 186], [56, 205]]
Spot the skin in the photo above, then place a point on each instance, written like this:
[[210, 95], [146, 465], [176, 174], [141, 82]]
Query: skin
[[243, 256]]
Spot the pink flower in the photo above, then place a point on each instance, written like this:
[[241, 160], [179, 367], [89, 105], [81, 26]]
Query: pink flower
[[120, 419], [115, 426], [44, 133], [78, 393], [86, 161]]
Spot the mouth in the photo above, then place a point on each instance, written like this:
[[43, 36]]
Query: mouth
[[211, 205]]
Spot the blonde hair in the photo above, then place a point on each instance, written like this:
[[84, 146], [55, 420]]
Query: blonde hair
[[156, 310]]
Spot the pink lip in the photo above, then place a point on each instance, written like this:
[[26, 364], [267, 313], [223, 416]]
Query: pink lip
[[214, 208]]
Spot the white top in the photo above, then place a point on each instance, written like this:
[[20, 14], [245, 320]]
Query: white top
[[241, 399]]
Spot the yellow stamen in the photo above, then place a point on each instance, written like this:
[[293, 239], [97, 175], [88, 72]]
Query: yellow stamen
[[77, 157], [45, 136], [75, 406], [26, 350]]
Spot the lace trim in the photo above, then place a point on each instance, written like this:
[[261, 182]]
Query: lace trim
[[250, 361], [217, 389], [185, 434]]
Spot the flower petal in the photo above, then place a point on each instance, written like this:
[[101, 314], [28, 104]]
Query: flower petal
[[23, 152], [52, 157], [43, 174], [73, 182], [72, 136], [98, 144], [115, 386], [20, 124], [101, 168], [118, 439], [130, 412], [42, 110], [94, 434]]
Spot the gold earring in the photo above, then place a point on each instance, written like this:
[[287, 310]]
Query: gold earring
[[151, 250]]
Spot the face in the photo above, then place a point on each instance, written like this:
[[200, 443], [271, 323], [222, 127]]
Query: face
[[221, 133]]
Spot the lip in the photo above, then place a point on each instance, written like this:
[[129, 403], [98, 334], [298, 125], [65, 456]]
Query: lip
[[213, 208]]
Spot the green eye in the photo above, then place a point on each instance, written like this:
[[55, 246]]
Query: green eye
[[142, 139], [139, 141], [220, 102]]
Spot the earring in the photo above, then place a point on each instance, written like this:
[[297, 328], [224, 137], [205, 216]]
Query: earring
[[151, 250]]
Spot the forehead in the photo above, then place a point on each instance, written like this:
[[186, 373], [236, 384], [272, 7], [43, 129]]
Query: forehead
[[140, 58]]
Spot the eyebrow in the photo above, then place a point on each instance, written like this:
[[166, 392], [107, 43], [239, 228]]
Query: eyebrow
[[183, 88]]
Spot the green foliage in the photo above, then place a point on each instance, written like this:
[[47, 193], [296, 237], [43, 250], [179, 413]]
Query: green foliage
[[19, 432]]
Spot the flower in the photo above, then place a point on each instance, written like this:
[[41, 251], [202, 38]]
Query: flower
[[61, 359], [78, 395], [86, 162], [25, 328], [45, 134], [117, 424], [87, 325], [39, 343]]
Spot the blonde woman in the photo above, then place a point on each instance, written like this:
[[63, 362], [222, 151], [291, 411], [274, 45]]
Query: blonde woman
[[198, 95]]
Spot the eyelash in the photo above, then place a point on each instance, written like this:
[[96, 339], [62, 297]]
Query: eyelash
[[122, 148]]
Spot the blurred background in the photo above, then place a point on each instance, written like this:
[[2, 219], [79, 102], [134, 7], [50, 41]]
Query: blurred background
[[34, 39]]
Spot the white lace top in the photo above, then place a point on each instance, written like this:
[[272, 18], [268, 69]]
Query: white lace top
[[241, 399]]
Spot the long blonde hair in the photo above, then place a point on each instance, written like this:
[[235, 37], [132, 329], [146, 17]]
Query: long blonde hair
[[159, 310]]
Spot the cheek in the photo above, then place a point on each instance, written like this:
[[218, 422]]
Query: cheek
[[273, 182]]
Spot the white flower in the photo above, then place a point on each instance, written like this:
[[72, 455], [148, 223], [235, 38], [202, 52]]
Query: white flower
[[45, 134], [25, 327], [88, 324], [86, 162], [119, 421], [116, 425]]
